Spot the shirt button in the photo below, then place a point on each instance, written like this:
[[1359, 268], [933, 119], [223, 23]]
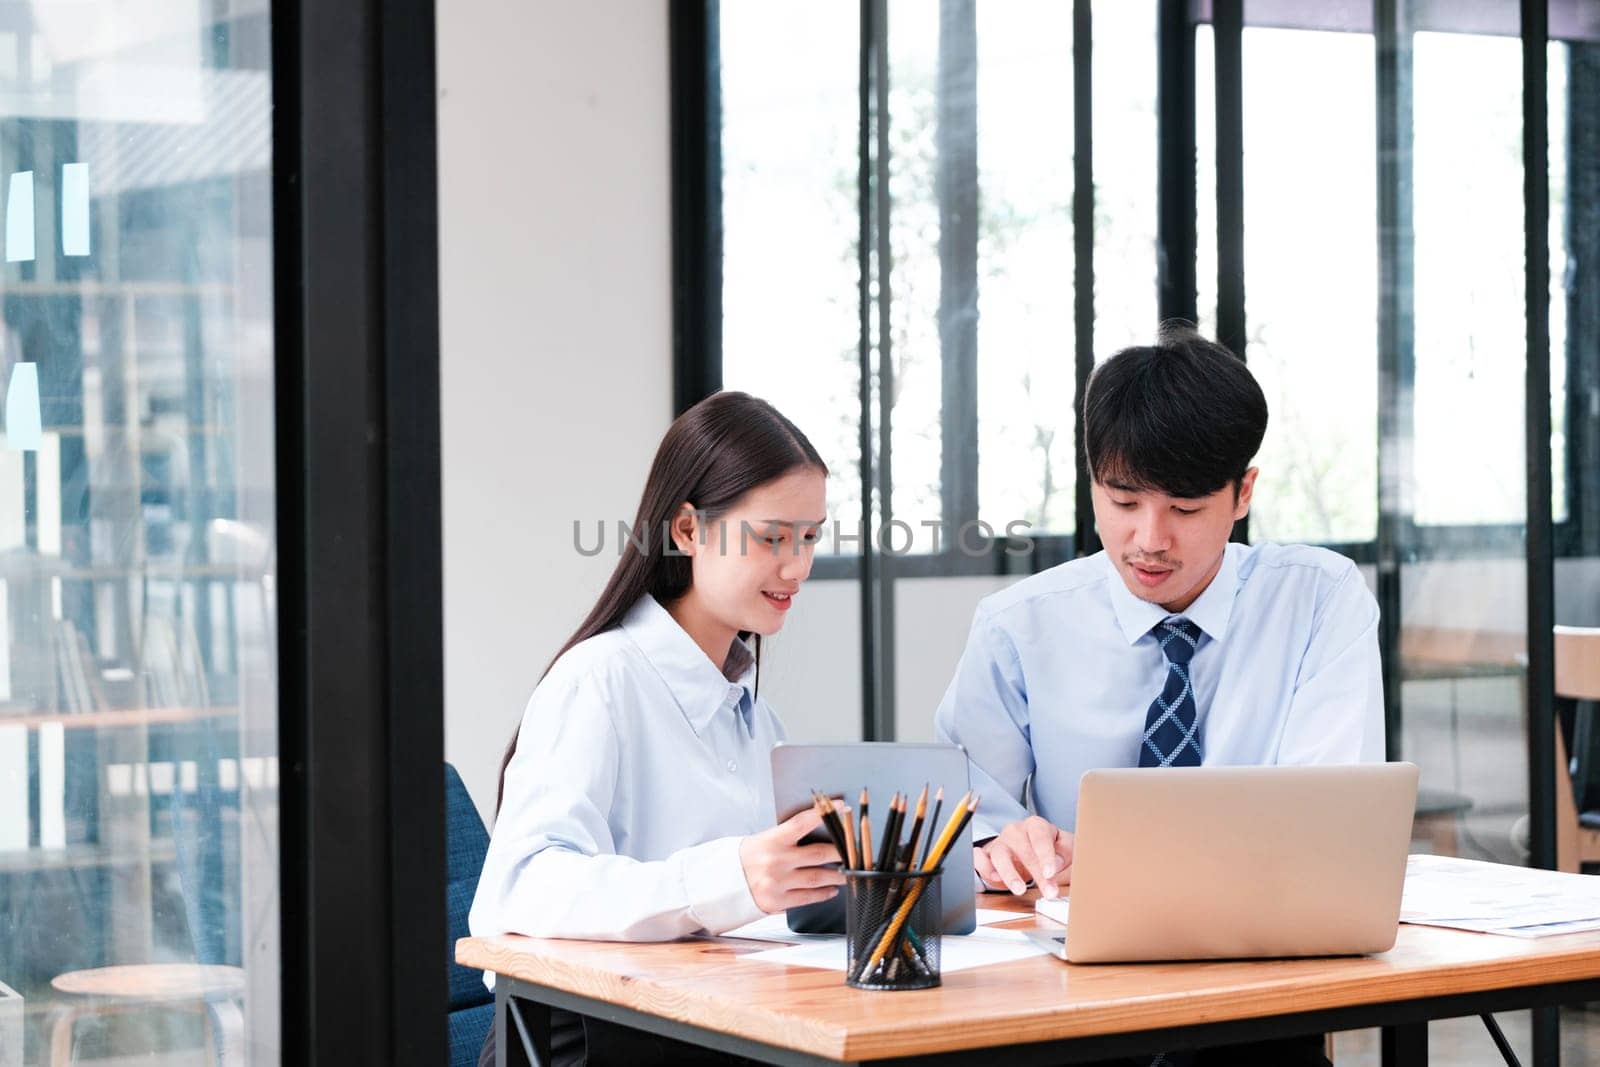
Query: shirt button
[[733, 766]]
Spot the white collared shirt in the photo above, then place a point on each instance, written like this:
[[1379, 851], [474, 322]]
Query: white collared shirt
[[1060, 670], [639, 766]]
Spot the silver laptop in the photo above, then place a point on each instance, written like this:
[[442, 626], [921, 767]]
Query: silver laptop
[[1188, 863], [884, 767]]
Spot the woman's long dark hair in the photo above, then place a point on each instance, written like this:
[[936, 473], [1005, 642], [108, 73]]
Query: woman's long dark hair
[[712, 454]]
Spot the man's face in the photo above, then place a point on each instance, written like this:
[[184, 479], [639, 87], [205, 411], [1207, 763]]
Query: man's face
[[1168, 548]]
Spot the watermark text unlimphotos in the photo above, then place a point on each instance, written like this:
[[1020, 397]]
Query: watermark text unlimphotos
[[974, 538]]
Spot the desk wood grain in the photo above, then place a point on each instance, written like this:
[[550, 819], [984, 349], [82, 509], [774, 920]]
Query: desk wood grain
[[704, 982]]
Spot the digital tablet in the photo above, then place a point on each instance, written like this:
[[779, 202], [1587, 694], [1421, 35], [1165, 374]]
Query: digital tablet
[[884, 768]]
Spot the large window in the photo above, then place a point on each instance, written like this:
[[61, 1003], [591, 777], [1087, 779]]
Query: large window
[[138, 702], [789, 329], [947, 143], [1310, 207], [1467, 159], [1003, 197]]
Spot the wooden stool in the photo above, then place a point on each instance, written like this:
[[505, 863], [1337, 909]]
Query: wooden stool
[[211, 990]]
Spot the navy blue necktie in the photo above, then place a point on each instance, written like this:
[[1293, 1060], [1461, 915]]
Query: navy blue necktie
[[1171, 728], [1171, 732]]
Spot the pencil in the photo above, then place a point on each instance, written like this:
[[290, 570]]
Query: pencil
[[938, 802], [830, 823], [916, 828], [864, 839], [890, 845], [849, 832], [960, 817], [958, 822]]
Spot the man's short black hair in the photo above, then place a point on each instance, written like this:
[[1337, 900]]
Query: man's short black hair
[[1183, 416]]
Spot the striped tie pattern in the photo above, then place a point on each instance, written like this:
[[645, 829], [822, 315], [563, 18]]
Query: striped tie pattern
[[1171, 737]]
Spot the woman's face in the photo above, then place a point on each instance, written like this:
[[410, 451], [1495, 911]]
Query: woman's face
[[749, 563]]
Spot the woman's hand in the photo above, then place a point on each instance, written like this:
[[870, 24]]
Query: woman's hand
[[783, 874]]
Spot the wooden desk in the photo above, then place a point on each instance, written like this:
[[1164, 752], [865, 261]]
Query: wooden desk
[[1030, 1011]]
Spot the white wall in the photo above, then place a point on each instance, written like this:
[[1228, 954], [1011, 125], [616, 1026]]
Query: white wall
[[556, 328], [811, 669]]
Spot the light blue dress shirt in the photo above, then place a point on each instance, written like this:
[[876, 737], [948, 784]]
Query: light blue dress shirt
[[639, 766], [1060, 670]]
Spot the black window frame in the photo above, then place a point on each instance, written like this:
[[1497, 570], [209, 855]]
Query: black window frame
[[360, 730]]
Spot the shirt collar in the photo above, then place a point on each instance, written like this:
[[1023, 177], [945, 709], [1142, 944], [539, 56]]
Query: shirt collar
[[700, 689], [1210, 611]]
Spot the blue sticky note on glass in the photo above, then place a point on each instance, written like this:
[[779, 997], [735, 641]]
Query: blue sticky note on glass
[[75, 209], [24, 427], [19, 218]]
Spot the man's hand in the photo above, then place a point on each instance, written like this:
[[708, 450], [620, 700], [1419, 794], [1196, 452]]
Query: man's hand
[[1029, 850]]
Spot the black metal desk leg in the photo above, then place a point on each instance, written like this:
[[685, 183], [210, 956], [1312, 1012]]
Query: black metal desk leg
[[1405, 1046], [522, 1030], [1546, 1037]]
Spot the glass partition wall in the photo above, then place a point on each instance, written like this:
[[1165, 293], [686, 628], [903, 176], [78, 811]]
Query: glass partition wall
[[219, 461], [138, 702]]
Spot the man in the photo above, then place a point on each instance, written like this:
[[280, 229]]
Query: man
[[1171, 647]]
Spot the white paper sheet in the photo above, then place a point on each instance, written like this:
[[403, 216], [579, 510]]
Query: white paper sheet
[[981, 949], [1498, 898], [771, 928]]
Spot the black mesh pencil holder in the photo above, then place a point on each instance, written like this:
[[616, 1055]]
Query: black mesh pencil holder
[[892, 923]]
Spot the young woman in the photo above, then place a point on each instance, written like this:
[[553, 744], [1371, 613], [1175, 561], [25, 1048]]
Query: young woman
[[636, 798]]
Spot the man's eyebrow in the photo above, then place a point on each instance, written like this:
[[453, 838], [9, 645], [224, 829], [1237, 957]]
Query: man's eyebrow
[[1123, 487], [792, 522]]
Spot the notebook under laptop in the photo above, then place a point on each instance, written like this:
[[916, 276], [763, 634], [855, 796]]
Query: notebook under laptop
[[1237, 862]]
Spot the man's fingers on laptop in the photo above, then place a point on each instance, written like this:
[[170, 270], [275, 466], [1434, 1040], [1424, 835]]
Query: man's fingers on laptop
[[1042, 843], [1061, 852]]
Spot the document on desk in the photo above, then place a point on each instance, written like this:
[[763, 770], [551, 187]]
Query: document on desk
[[981, 948], [1498, 898]]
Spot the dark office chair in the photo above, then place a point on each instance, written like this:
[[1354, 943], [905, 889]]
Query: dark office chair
[[466, 844]]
